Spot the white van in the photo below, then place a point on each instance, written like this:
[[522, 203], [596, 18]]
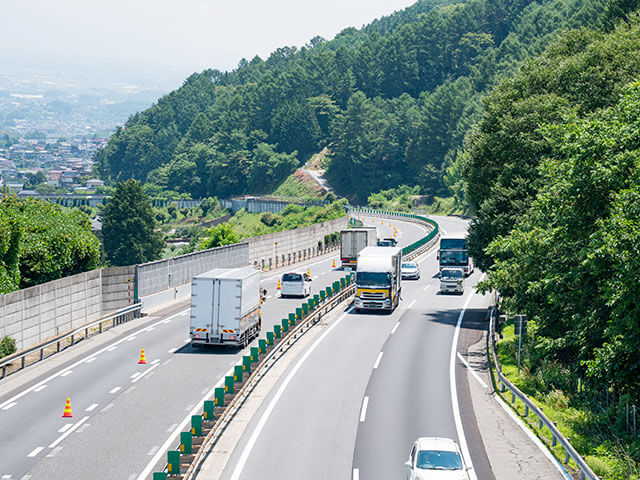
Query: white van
[[295, 284], [452, 280]]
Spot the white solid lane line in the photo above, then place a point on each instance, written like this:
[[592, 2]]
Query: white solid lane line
[[40, 388], [145, 373], [462, 440], [114, 390], [109, 348], [412, 303], [89, 360], [131, 339], [395, 327], [10, 405], [375, 365], [91, 407], [363, 412], [166, 445], [237, 472], [68, 372], [473, 372], [356, 474], [69, 432], [65, 428], [35, 452]]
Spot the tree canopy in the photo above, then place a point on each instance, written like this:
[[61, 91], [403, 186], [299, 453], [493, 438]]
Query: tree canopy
[[40, 242], [393, 101], [128, 227]]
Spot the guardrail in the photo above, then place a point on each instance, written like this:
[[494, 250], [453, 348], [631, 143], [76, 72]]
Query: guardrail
[[557, 437], [206, 429], [27, 357], [417, 247]]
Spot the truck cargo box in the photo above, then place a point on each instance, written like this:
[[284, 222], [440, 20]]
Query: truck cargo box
[[225, 306]]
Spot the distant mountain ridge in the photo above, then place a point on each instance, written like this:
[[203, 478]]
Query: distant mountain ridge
[[393, 101]]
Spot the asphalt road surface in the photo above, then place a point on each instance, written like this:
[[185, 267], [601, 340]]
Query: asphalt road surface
[[372, 385], [126, 415]]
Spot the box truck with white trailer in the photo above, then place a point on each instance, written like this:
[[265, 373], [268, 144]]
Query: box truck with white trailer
[[353, 241], [225, 307]]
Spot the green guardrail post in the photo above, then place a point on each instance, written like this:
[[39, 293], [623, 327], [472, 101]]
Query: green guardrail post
[[270, 338], [159, 475], [343, 283], [173, 462], [196, 425], [305, 308], [255, 354], [262, 345], [292, 319], [285, 324], [299, 313], [218, 397], [228, 384], [336, 286], [329, 291], [246, 363], [277, 331], [238, 373], [323, 295], [316, 300], [186, 443], [312, 304], [207, 411]]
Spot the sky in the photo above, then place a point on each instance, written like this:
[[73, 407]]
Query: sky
[[178, 35]]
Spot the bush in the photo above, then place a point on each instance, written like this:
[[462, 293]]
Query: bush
[[270, 219], [7, 346]]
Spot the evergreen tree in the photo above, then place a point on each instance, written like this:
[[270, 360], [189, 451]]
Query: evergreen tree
[[128, 227]]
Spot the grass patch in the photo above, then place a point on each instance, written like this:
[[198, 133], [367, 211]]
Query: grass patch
[[299, 185], [592, 431]]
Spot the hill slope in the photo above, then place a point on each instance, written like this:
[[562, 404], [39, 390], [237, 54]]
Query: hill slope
[[393, 101]]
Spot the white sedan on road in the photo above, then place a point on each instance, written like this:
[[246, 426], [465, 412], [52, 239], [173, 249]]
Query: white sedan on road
[[434, 458], [410, 270]]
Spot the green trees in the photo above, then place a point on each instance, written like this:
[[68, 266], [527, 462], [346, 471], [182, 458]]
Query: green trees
[[128, 227], [219, 236], [40, 242], [393, 102]]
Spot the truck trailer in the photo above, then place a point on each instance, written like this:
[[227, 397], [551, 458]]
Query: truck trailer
[[225, 307], [378, 279], [352, 241]]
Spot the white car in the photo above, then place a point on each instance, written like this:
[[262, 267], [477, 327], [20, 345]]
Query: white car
[[434, 458], [410, 270], [295, 284]]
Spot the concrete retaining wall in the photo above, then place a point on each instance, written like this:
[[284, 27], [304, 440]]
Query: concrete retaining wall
[[32, 315], [282, 248]]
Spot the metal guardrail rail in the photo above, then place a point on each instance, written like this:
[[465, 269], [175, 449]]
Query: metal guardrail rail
[[557, 437], [116, 318], [343, 290]]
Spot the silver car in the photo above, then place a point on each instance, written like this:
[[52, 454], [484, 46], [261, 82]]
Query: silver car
[[434, 458], [410, 270]]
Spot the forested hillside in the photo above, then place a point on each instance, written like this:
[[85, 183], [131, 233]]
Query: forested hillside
[[393, 102], [553, 172]]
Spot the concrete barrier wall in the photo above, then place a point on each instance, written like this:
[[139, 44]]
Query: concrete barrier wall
[[161, 275], [290, 246], [32, 315]]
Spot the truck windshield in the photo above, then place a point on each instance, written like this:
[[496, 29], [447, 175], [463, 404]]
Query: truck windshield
[[372, 279], [450, 274], [453, 243], [453, 257]]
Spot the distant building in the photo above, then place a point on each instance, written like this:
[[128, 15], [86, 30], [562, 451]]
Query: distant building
[[94, 183]]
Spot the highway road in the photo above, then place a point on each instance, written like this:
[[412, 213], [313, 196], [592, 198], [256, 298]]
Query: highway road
[[126, 415], [372, 384]]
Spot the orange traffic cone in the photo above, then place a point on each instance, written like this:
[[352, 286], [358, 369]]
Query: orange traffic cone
[[334, 263], [142, 360], [67, 409], [278, 287], [309, 272]]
